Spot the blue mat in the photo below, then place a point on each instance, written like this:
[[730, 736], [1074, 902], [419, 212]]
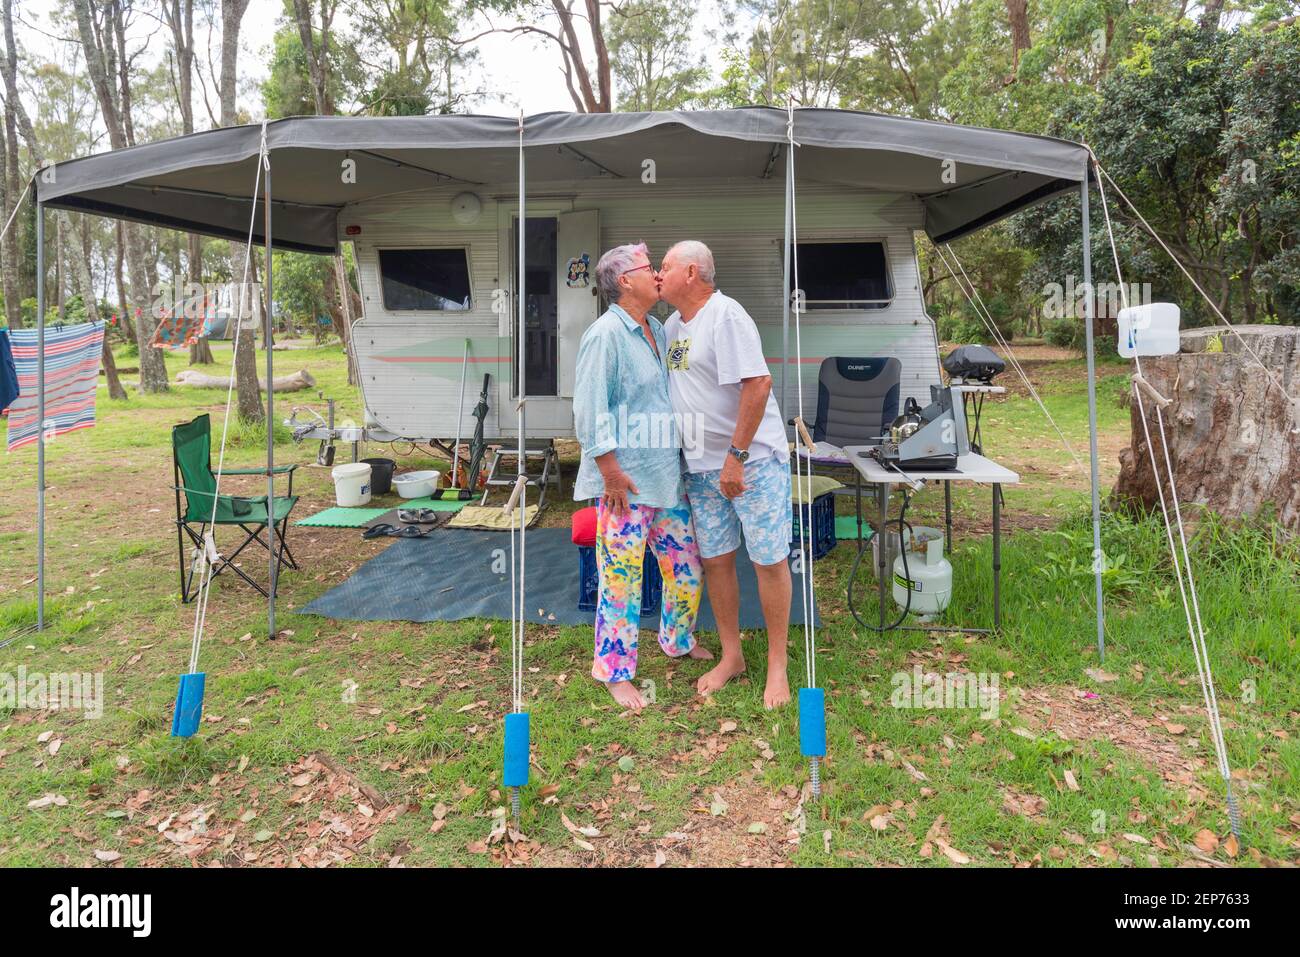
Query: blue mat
[[463, 573]]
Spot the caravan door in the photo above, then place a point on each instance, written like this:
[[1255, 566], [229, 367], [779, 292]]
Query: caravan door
[[579, 304]]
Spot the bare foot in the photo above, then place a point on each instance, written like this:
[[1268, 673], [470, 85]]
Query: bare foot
[[625, 693], [700, 653], [777, 692], [719, 675]]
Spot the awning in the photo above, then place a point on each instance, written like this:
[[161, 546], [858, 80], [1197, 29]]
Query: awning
[[966, 177]]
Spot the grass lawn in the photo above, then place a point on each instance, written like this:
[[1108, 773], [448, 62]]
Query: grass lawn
[[371, 743]]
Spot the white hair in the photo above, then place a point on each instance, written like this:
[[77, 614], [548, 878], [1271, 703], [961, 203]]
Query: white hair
[[614, 264], [693, 252]]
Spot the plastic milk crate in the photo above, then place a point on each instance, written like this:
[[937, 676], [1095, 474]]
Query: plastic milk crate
[[822, 523], [652, 583]]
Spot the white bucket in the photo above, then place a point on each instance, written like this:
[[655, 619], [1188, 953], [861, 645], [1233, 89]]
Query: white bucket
[[351, 484]]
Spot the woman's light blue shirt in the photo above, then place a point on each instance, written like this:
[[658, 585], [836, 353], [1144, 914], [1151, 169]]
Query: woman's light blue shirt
[[621, 404]]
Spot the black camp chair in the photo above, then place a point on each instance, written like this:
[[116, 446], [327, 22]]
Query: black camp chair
[[857, 398], [192, 468]]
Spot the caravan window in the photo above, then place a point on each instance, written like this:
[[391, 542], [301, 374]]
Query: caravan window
[[425, 280], [844, 275]]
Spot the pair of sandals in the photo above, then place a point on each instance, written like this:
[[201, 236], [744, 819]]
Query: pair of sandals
[[411, 518], [395, 531]]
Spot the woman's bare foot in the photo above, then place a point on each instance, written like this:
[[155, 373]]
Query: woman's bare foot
[[625, 693], [700, 653], [720, 674], [777, 691]]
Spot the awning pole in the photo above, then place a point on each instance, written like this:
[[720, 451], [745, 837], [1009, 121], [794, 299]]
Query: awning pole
[[270, 406], [40, 416], [785, 308], [523, 224], [1088, 301]]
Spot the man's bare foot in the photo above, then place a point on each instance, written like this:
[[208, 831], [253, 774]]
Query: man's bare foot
[[625, 693], [700, 653], [720, 674], [777, 692]]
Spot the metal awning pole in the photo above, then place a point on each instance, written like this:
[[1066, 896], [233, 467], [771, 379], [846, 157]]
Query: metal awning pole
[[270, 407], [40, 416], [1088, 303], [523, 226], [785, 307]]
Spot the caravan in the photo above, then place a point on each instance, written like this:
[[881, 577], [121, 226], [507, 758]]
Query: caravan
[[438, 266]]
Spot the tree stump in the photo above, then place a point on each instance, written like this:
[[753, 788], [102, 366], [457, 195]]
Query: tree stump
[[1234, 438]]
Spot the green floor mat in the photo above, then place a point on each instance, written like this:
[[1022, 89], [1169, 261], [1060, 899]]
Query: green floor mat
[[846, 528], [340, 517]]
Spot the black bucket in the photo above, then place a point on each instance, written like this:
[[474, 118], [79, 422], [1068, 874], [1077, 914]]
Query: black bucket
[[381, 475]]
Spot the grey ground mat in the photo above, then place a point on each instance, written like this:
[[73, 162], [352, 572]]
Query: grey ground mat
[[463, 573]]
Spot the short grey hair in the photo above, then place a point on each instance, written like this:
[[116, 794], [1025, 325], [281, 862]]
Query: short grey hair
[[694, 252], [614, 264]]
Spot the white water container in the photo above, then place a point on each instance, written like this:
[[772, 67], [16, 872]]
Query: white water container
[[1150, 330], [351, 484], [928, 575]]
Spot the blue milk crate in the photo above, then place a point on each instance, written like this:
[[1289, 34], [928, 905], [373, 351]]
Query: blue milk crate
[[652, 582], [822, 523]]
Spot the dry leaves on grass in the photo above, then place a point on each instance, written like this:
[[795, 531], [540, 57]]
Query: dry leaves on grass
[[938, 837]]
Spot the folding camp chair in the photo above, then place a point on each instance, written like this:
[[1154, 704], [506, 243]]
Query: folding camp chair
[[857, 399], [191, 463]]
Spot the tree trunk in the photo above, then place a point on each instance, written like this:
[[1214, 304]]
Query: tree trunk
[[153, 368], [1234, 439], [1018, 15], [86, 286], [293, 382], [246, 385], [9, 257], [342, 299]]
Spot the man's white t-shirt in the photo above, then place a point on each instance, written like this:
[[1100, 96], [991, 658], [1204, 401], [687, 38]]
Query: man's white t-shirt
[[707, 359]]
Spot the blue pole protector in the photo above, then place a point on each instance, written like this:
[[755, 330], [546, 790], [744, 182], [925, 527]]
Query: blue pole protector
[[516, 764], [812, 722], [189, 705]]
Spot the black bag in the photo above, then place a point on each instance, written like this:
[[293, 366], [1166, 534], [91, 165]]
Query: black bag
[[973, 364]]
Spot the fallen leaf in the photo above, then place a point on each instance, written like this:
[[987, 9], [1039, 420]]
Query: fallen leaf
[[107, 857], [1096, 674], [950, 852], [1206, 840]]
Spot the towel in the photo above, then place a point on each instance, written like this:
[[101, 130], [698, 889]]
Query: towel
[[72, 355]]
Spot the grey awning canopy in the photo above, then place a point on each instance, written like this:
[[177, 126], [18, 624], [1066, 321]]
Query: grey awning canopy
[[202, 182]]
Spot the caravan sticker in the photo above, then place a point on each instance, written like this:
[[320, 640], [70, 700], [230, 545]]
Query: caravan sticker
[[578, 277]]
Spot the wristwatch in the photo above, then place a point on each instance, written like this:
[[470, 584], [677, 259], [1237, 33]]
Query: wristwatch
[[741, 454]]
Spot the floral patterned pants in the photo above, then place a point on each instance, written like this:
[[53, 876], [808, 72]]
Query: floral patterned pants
[[623, 540]]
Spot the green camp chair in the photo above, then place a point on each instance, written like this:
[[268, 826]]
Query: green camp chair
[[191, 462]]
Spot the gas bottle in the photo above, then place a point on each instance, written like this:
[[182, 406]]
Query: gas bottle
[[928, 575]]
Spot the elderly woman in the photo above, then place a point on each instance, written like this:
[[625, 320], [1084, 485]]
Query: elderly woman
[[631, 463]]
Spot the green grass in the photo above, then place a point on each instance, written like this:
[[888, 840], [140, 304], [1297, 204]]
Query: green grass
[[385, 699]]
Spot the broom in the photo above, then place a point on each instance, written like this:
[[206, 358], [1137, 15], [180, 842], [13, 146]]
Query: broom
[[451, 491]]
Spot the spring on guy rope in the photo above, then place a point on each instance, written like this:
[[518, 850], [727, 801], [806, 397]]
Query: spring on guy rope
[[1234, 813], [816, 773]]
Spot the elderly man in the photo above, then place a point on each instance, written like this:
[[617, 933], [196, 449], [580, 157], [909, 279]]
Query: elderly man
[[631, 462], [739, 472]]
